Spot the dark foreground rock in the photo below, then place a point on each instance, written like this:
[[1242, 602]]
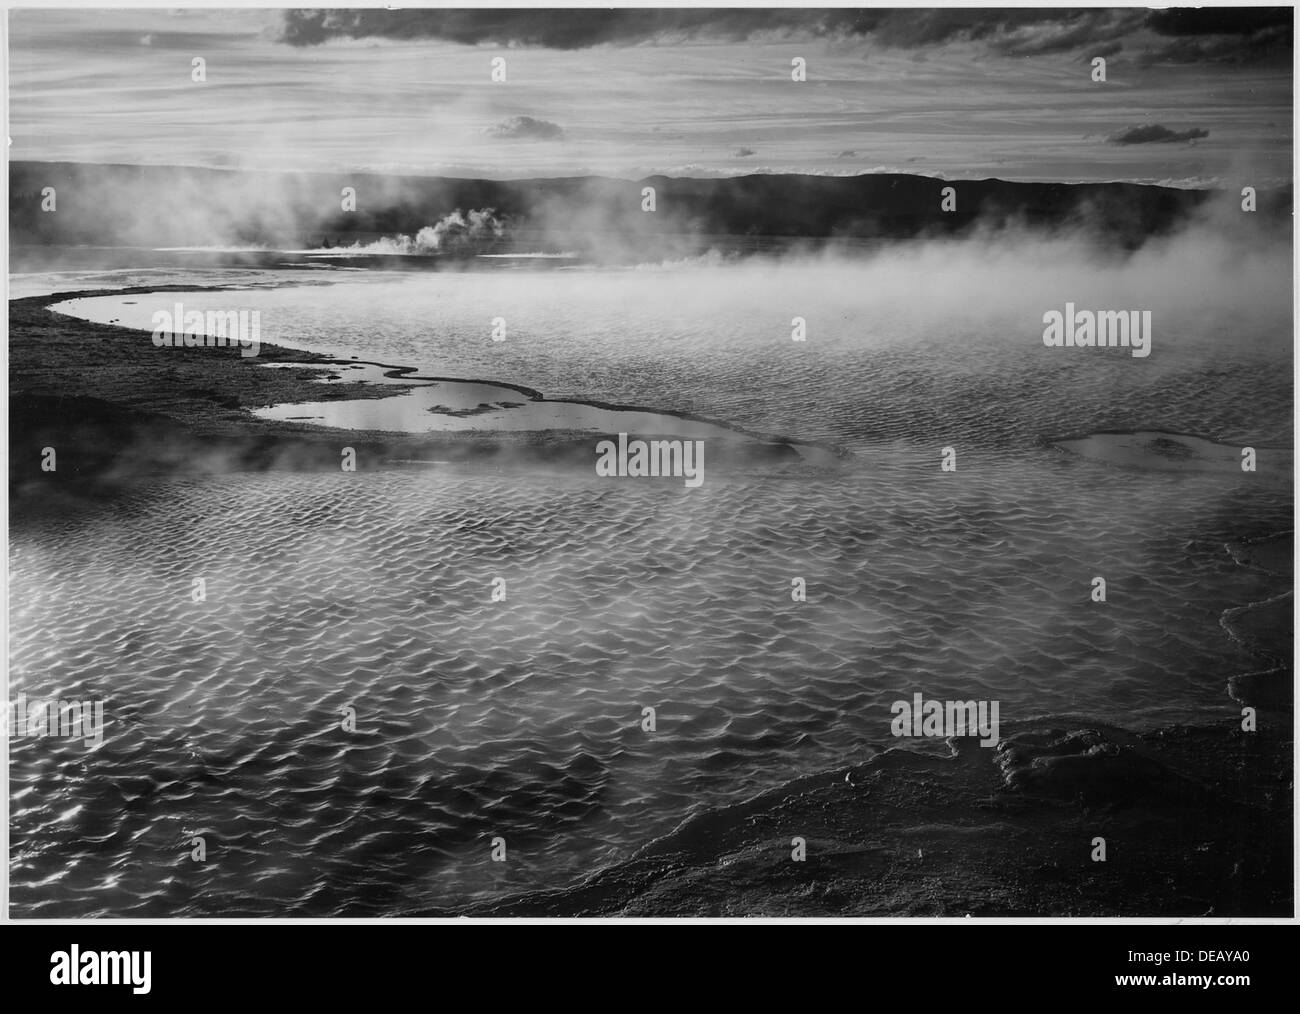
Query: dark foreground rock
[[1196, 822]]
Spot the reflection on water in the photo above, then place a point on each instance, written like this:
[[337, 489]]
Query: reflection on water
[[428, 406]]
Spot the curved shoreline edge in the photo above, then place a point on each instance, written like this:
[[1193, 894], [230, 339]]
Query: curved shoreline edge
[[122, 410], [411, 374]]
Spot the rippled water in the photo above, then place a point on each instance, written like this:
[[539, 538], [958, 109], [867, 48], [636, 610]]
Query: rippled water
[[523, 718]]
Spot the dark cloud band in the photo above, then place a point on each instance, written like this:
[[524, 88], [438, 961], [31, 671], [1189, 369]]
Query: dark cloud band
[[566, 29], [1225, 33]]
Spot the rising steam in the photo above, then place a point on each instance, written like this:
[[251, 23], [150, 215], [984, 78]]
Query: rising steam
[[459, 234]]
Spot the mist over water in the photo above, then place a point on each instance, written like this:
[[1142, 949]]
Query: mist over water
[[522, 718], [930, 341]]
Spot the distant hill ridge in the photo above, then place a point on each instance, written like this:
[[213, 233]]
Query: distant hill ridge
[[190, 206]]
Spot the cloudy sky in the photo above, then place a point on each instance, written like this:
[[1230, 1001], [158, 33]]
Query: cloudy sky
[[1190, 97]]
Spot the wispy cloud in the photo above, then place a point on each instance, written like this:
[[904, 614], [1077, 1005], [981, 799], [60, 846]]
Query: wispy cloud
[[1155, 133], [526, 128]]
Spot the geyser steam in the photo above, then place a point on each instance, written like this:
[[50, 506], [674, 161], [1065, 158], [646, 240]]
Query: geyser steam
[[460, 234]]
